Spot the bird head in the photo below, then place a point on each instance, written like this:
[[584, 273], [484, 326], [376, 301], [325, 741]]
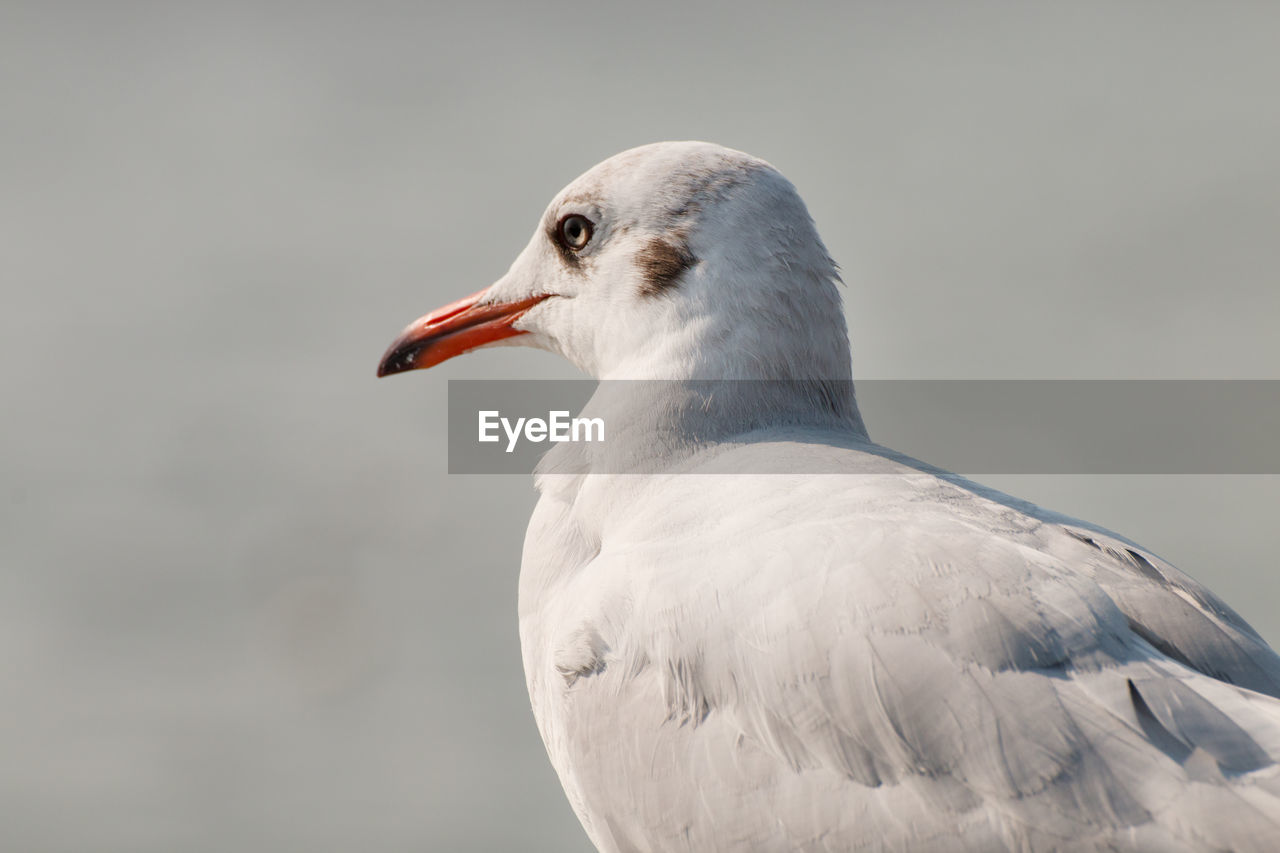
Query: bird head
[[676, 260]]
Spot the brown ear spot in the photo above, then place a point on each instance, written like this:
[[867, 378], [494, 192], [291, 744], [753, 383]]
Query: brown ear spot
[[661, 263]]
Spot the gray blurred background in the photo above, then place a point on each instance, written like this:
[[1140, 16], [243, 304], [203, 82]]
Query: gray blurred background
[[242, 607]]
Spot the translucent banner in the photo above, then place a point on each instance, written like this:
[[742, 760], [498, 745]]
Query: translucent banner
[[966, 426]]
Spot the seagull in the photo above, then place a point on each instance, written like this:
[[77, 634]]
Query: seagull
[[747, 627]]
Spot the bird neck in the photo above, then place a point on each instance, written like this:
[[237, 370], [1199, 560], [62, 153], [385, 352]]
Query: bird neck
[[774, 356], [660, 425]]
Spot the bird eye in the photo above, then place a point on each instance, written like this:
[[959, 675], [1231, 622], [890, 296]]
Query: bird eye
[[574, 231]]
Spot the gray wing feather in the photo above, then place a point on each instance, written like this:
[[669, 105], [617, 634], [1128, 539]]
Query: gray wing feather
[[1182, 618]]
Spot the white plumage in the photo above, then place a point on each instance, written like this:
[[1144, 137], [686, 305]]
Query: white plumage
[[861, 652]]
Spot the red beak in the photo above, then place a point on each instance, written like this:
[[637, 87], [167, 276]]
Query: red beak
[[452, 330]]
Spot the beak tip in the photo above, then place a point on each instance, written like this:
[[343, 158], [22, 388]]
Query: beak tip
[[397, 360]]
